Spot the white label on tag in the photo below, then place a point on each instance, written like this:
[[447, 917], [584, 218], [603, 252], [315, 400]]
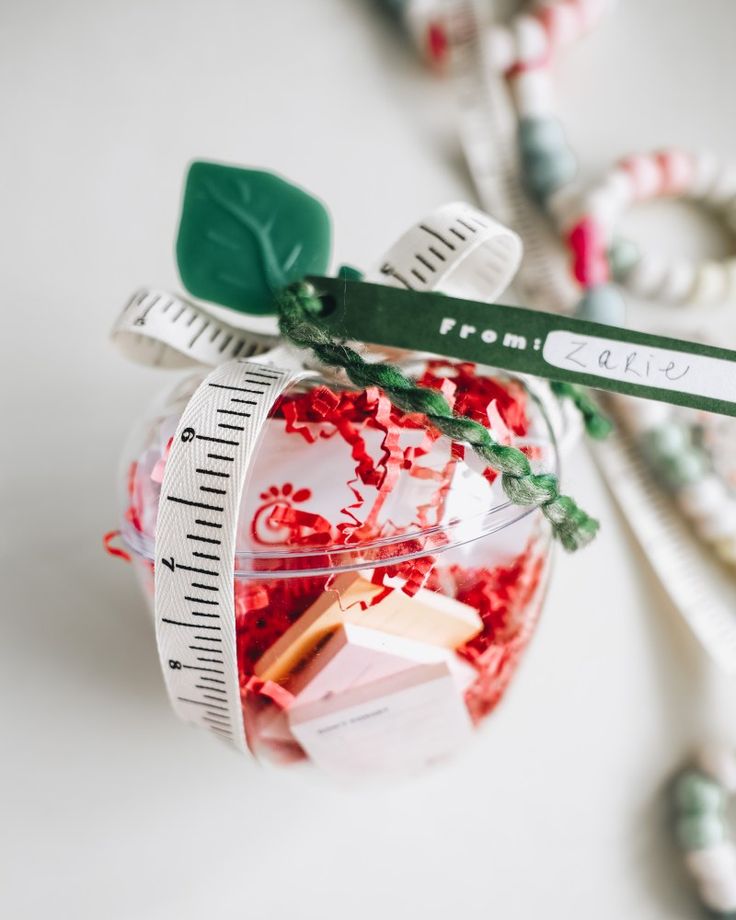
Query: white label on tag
[[661, 368]]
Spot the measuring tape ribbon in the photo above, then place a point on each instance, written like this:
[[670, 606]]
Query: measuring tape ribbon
[[194, 567], [163, 330]]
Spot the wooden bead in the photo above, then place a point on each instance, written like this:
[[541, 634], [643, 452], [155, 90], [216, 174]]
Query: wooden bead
[[647, 276], [677, 171], [499, 48], [530, 37], [561, 22], [712, 862], [646, 175], [710, 285], [533, 92], [720, 525], [726, 550], [677, 283], [705, 174], [703, 498], [719, 894]]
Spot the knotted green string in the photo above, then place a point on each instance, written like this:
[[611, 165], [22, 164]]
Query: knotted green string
[[597, 424], [299, 309]]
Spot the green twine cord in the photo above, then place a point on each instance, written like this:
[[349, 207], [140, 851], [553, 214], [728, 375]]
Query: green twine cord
[[597, 424], [299, 309]]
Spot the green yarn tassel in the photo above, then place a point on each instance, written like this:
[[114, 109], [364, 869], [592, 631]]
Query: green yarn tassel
[[299, 309], [598, 425]]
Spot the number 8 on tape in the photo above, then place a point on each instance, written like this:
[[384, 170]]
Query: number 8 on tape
[[198, 513]]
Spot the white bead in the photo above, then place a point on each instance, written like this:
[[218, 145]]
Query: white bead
[[646, 176], [603, 208], [719, 894], [713, 862], [711, 284], [677, 284], [531, 39], [677, 171], [721, 525], [705, 173], [726, 550], [499, 48], [647, 276], [719, 763], [619, 186], [700, 499], [533, 92]]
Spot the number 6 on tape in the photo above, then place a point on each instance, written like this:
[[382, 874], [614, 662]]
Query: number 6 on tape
[[195, 542]]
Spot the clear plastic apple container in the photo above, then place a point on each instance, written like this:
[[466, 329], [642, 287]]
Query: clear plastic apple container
[[385, 587]]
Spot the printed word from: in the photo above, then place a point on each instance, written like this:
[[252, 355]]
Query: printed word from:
[[488, 336]]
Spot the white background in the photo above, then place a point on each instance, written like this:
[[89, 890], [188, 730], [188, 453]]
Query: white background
[[110, 807]]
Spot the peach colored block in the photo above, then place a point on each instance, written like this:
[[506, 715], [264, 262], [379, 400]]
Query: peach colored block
[[426, 617]]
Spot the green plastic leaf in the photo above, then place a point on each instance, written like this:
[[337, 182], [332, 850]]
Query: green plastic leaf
[[244, 234]]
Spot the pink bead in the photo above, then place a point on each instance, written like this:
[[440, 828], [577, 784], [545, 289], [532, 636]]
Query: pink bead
[[592, 272], [587, 242], [677, 171], [591, 11], [521, 67], [646, 174], [561, 22]]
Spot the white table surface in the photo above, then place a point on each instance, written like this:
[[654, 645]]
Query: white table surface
[[110, 807]]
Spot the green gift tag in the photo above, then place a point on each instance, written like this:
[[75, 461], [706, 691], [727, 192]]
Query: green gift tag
[[244, 234], [559, 348]]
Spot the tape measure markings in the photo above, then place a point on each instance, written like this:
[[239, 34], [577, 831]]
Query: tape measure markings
[[197, 523], [457, 250], [149, 331]]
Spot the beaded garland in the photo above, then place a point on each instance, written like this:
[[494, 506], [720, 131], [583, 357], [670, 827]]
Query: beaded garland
[[602, 263], [588, 227], [677, 444]]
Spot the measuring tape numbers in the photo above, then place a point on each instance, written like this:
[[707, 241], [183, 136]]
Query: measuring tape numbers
[[458, 250], [194, 566]]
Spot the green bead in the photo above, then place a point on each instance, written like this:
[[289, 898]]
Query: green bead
[[541, 135], [698, 831], [684, 469], [622, 257], [546, 171], [245, 234], [696, 793], [603, 304], [666, 441]]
